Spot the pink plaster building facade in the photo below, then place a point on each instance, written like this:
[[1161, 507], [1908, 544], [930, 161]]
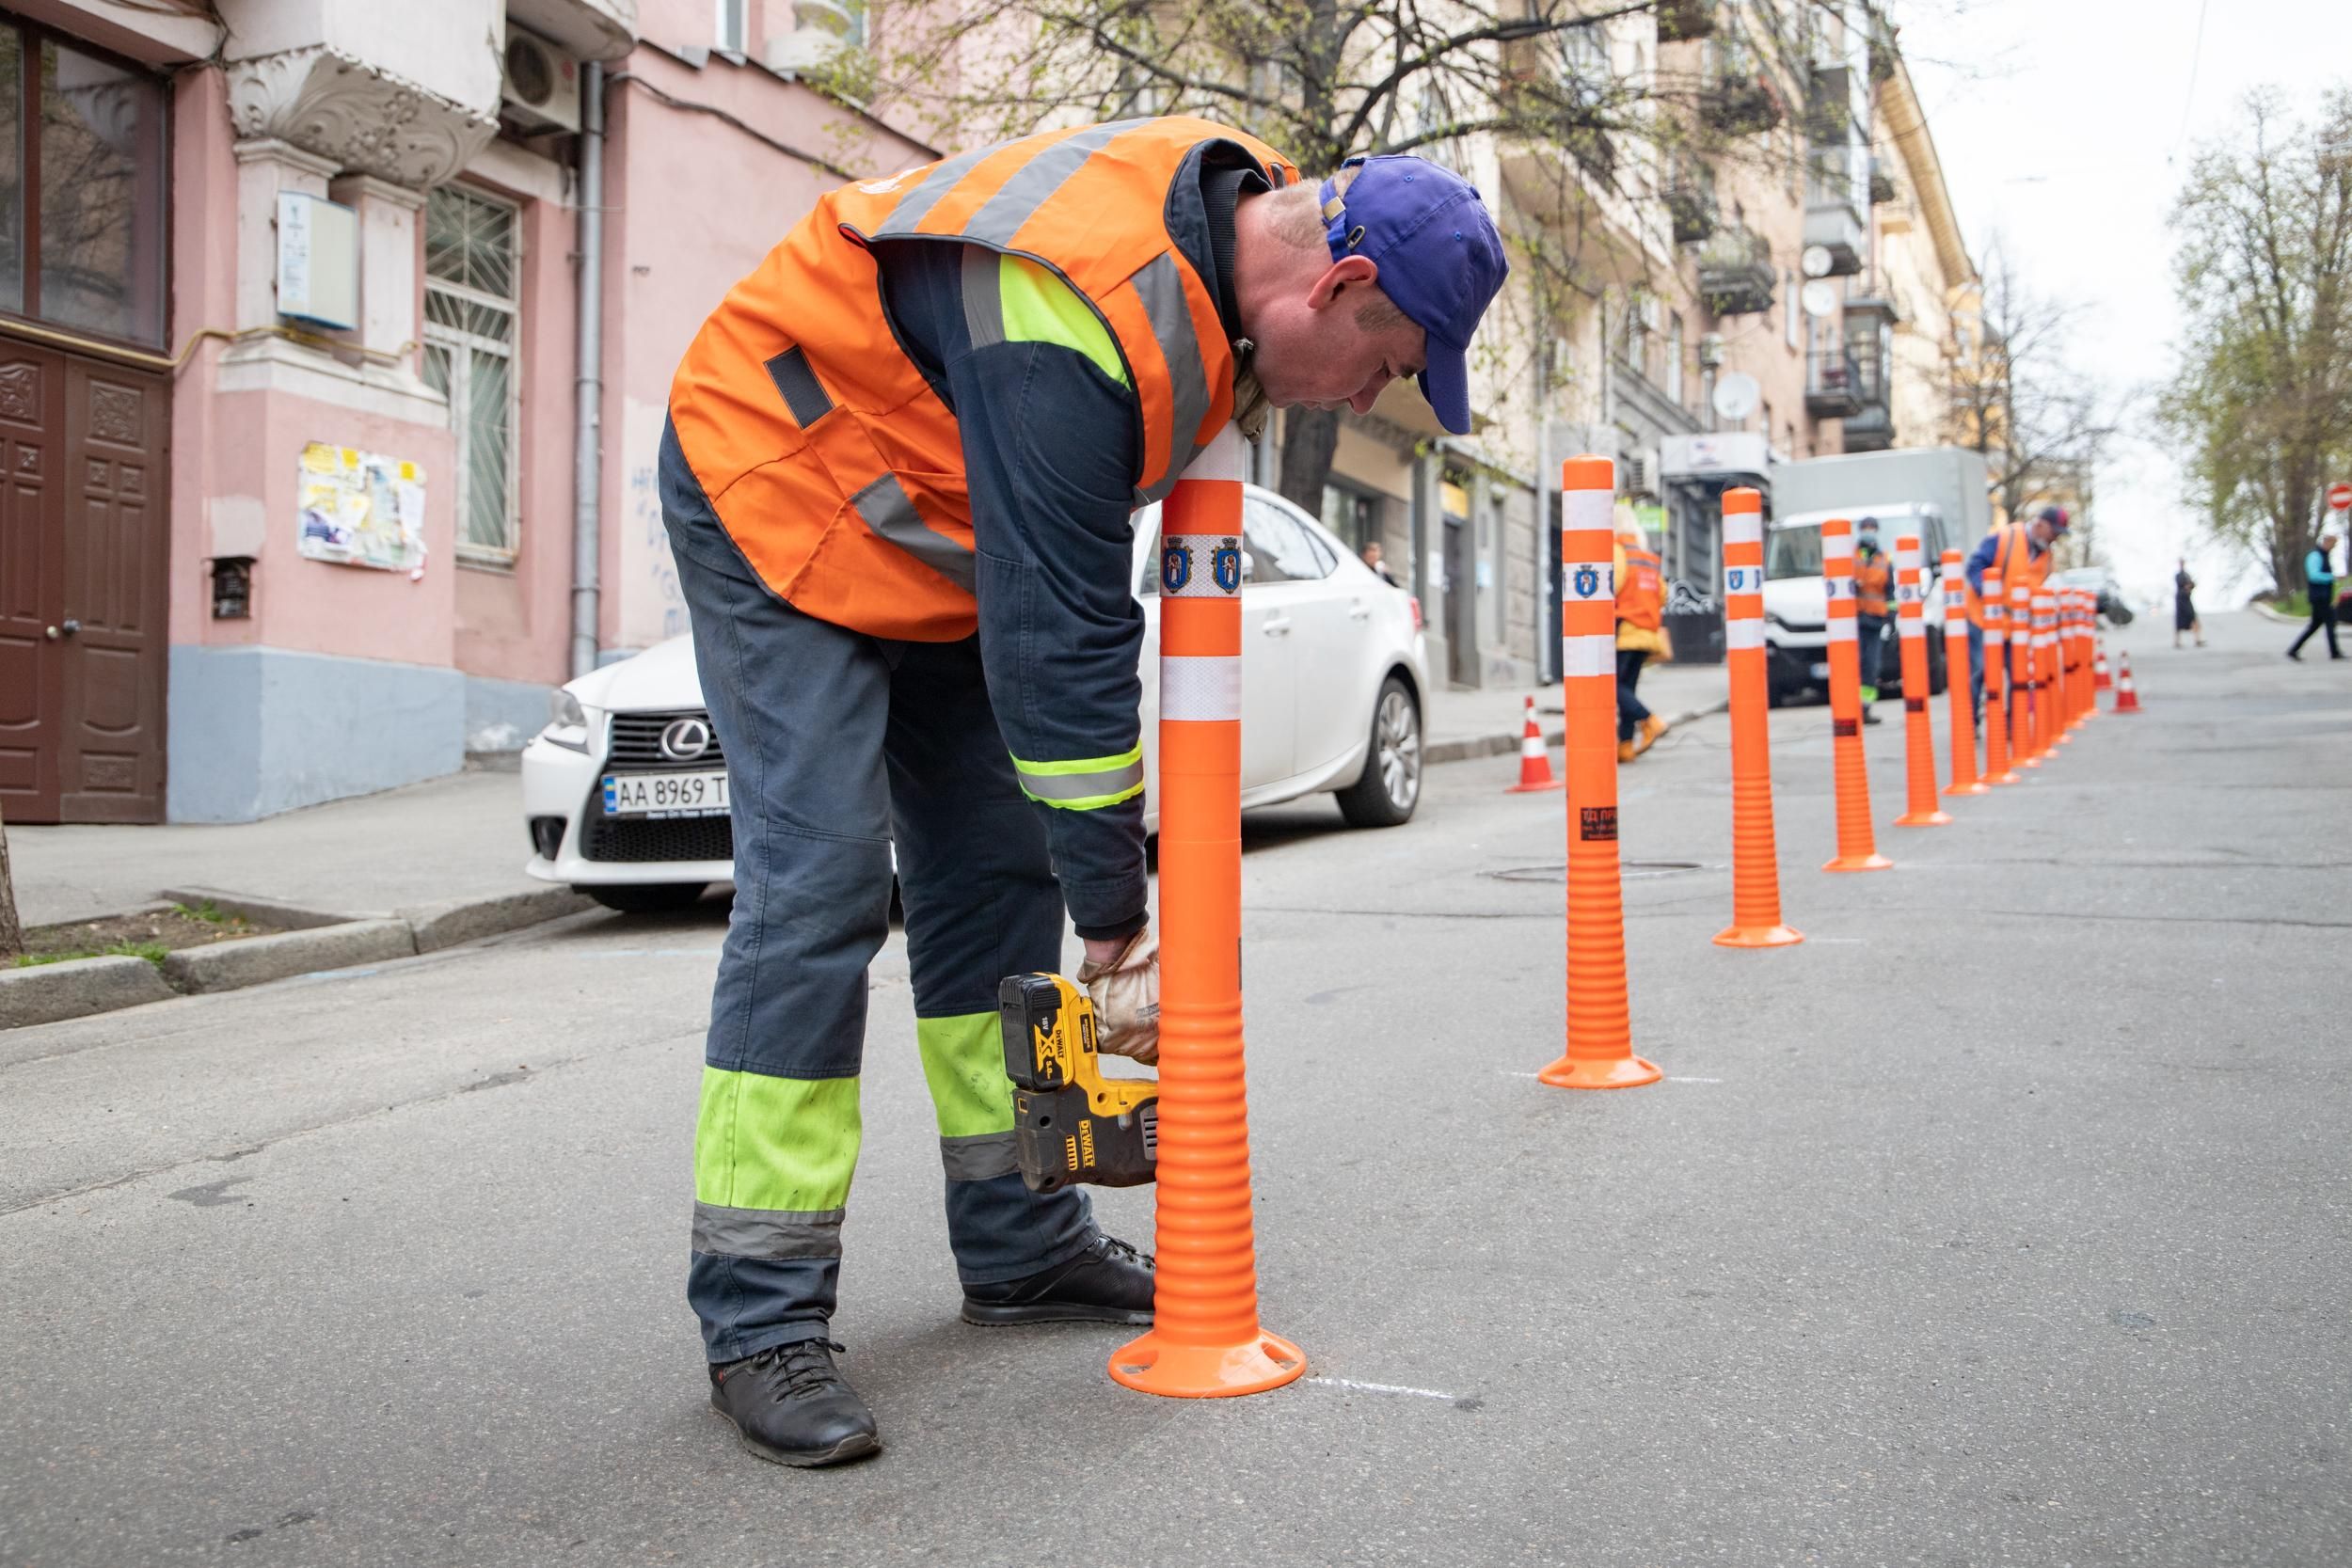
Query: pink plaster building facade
[[335, 337]]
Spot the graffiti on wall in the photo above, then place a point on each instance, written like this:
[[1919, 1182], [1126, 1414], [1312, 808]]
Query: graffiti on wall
[[652, 607]]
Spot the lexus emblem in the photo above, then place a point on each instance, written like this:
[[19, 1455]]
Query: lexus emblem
[[686, 739]]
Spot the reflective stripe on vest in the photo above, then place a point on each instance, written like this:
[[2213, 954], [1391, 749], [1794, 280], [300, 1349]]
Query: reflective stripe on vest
[[832, 461]]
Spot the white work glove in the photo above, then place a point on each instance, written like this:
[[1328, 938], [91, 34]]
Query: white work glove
[[1126, 996]]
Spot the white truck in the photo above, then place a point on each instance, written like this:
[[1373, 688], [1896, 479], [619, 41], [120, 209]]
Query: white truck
[[1937, 493]]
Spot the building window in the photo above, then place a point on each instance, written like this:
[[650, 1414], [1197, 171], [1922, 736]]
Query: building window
[[83, 183], [1674, 359], [1352, 514], [471, 332], [734, 26]]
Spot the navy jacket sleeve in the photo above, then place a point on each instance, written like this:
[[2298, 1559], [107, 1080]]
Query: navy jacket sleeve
[[1980, 560], [1051, 447]]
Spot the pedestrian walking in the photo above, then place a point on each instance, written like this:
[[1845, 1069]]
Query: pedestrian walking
[[1874, 601], [2184, 607], [898, 479], [1372, 559], [1641, 635], [2319, 585]]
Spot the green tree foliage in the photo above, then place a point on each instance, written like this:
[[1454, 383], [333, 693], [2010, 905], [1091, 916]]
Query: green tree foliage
[[2262, 403]]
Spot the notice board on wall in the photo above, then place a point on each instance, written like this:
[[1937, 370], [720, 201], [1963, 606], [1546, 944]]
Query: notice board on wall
[[362, 509]]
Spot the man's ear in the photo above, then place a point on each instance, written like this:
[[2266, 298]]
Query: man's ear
[[1339, 274]]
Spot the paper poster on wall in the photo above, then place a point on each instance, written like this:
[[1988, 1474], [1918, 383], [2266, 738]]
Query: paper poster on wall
[[362, 509]]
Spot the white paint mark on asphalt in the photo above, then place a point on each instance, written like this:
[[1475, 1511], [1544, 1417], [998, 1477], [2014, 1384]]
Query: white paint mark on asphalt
[[1693, 1080], [1383, 1388], [1508, 1074]]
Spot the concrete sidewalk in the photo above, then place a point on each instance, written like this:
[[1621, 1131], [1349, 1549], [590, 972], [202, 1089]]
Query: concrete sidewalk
[[462, 836]]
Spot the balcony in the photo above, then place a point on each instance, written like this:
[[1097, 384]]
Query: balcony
[[1684, 20], [1691, 205], [1736, 274], [1870, 427], [1882, 183], [1835, 103], [1739, 98], [1832, 384], [590, 29], [1833, 215]]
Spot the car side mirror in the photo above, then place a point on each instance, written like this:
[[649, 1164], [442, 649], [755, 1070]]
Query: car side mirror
[[1249, 567]]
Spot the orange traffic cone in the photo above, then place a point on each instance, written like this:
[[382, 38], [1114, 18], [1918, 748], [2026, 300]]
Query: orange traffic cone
[[1964, 779], [1755, 858], [1599, 1051], [1856, 849], [1910, 627], [2101, 680], [1206, 1338], [2126, 700], [1534, 762]]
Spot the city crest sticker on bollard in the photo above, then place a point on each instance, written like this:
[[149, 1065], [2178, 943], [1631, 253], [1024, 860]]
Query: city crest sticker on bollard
[[1226, 562], [1175, 568]]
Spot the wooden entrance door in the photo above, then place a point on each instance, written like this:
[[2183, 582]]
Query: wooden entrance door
[[85, 548]]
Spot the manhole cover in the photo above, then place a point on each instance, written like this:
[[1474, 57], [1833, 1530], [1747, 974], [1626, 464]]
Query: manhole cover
[[1630, 870]]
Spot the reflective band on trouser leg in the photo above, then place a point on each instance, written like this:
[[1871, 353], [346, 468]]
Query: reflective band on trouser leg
[[1082, 784], [773, 1163], [1856, 848], [1964, 780], [2023, 673], [964, 1063], [1206, 1338], [1599, 1052], [1910, 625], [1755, 853], [1996, 681]]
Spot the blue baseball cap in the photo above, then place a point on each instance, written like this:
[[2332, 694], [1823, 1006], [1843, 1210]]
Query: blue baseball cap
[[1440, 256]]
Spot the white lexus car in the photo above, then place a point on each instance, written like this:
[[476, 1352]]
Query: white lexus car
[[626, 790]]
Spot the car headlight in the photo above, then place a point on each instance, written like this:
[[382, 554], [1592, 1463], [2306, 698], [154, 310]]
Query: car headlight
[[567, 722]]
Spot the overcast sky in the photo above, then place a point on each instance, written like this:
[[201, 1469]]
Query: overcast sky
[[2065, 126]]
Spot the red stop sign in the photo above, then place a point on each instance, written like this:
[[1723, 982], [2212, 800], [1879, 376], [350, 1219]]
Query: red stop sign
[[2340, 496]]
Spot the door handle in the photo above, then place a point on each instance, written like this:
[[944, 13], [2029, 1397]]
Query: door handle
[[66, 628], [1358, 610], [1277, 626]]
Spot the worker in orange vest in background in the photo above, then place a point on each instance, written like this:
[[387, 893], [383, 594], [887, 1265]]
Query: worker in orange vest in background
[[2009, 550], [1641, 632], [1874, 607]]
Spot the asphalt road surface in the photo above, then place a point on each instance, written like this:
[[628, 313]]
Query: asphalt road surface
[[2004, 1221]]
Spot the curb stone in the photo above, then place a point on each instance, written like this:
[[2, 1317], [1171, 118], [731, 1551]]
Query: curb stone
[[48, 993], [1469, 748], [451, 921], [231, 965], [262, 912]]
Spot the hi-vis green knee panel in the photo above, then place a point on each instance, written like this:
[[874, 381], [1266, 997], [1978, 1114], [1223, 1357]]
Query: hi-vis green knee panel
[[786, 1144], [963, 1061]]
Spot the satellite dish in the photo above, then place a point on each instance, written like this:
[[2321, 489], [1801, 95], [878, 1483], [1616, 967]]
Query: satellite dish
[[1737, 395], [1818, 297], [1815, 260]]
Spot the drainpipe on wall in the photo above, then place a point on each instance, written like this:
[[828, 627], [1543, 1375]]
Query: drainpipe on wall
[[588, 434], [1548, 645]]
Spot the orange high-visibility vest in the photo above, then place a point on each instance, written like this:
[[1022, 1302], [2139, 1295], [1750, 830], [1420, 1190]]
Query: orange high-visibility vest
[[834, 466], [1642, 596], [2010, 536], [1872, 580]]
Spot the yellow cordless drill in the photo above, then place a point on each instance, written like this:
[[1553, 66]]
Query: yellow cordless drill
[[1070, 1124]]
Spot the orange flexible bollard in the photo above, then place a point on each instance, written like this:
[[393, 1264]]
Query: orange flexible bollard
[[1534, 763], [1755, 855], [2086, 654], [1911, 628], [2126, 698], [1205, 1339], [1956, 680], [1857, 850], [1998, 681], [2024, 678], [2049, 721], [1599, 1052], [2069, 711]]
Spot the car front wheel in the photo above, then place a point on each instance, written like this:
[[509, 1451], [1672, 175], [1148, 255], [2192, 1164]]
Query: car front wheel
[[1390, 788], [646, 897]]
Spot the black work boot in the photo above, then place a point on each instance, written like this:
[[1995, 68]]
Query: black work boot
[[790, 1405], [1110, 1282]]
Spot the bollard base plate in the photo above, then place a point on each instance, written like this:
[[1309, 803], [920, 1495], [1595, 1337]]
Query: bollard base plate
[[1932, 819], [1151, 1365], [1974, 787], [1757, 936], [2004, 779], [1618, 1072], [1860, 862]]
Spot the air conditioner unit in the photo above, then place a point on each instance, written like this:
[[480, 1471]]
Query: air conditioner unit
[[1711, 349], [542, 90], [1640, 470]]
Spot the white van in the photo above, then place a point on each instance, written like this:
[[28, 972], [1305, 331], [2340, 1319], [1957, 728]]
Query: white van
[[1796, 606]]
